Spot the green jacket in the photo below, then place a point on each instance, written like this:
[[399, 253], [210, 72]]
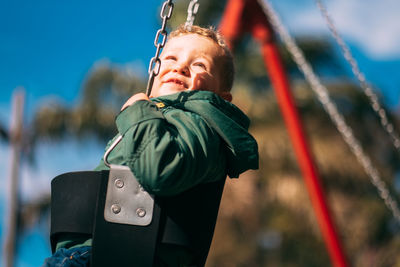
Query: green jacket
[[177, 141]]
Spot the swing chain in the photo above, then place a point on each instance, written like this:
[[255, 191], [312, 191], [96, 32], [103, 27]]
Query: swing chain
[[155, 62], [329, 106], [386, 124], [192, 12]]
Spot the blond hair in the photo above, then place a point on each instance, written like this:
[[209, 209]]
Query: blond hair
[[226, 66]]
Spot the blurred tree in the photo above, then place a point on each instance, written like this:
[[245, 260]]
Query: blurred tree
[[103, 93], [267, 215], [266, 218]]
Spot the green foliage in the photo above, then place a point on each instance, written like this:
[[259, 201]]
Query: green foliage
[[103, 93]]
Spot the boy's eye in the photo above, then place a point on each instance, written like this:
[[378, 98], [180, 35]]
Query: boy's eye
[[170, 57], [200, 65]]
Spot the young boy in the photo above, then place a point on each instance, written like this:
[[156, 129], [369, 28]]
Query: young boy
[[187, 133]]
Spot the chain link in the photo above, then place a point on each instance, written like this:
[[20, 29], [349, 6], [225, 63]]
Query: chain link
[[155, 62], [388, 126], [192, 12], [323, 96]]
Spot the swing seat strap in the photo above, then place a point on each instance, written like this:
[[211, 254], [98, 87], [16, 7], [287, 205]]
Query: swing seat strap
[[77, 207]]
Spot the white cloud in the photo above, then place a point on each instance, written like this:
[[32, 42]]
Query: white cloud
[[34, 183], [57, 158], [372, 25]]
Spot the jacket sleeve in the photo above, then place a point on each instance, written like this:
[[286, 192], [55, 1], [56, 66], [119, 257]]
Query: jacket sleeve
[[168, 152]]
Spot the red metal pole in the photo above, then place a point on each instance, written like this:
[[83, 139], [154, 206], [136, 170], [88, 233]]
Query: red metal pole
[[256, 22], [310, 174]]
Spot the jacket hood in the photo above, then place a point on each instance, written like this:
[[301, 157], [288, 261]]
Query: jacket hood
[[227, 120]]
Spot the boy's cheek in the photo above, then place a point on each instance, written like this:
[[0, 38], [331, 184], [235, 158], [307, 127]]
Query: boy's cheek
[[201, 82]]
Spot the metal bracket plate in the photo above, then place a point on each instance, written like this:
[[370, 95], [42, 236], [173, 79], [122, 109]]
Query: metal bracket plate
[[126, 201]]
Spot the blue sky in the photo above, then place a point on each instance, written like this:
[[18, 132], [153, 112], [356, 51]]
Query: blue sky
[[48, 47]]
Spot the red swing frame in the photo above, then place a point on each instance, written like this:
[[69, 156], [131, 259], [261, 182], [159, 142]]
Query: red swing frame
[[242, 16]]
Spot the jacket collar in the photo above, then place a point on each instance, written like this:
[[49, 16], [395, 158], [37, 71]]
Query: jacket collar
[[226, 119]]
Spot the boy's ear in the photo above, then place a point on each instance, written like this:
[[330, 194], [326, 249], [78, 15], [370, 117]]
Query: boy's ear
[[226, 95]]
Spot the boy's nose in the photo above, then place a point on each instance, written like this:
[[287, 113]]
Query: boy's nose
[[182, 69]]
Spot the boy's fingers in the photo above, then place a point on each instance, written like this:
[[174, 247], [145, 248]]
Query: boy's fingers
[[134, 98]]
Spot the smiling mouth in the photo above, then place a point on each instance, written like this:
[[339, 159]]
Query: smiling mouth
[[177, 81]]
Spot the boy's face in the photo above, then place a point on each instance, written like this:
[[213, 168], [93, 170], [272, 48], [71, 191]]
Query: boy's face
[[189, 62]]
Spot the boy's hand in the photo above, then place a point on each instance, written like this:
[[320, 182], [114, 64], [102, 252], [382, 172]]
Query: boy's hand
[[134, 98]]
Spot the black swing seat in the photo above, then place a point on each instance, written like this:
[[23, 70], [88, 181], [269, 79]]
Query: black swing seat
[[188, 219]]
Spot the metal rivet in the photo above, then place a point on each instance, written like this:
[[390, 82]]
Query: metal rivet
[[119, 183], [115, 208], [140, 212]]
